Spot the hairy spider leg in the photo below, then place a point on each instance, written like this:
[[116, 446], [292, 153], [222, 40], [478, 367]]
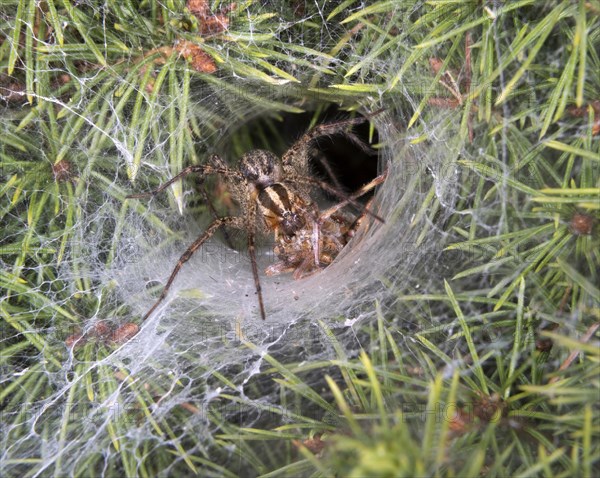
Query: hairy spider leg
[[251, 217], [318, 156], [296, 157], [298, 152], [189, 252], [315, 238], [347, 199], [363, 190], [218, 167], [213, 211], [330, 211], [201, 169]]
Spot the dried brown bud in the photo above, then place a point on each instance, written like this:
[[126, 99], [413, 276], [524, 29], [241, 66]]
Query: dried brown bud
[[198, 7], [435, 64], [443, 102], [543, 345], [581, 224], [489, 408], [125, 332], [75, 341], [62, 170], [200, 60], [315, 444], [461, 422], [12, 92], [582, 112], [101, 330], [210, 24], [214, 24]]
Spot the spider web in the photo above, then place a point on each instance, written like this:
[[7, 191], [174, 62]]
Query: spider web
[[112, 254]]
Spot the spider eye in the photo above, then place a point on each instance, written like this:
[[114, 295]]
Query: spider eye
[[258, 166]]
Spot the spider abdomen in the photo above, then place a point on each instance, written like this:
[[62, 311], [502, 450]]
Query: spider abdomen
[[281, 209]]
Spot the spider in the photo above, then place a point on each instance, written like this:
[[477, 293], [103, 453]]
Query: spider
[[279, 191]]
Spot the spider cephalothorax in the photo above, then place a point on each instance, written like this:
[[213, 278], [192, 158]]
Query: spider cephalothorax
[[260, 167], [275, 197]]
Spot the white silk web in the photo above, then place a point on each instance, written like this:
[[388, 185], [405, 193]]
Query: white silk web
[[197, 362]]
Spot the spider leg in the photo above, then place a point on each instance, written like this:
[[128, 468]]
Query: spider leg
[[278, 268], [319, 156], [216, 224], [251, 218], [316, 229], [203, 169], [297, 155], [295, 159], [312, 212], [315, 241], [303, 270], [363, 190], [213, 212], [346, 199], [357, 222], [322, 160]]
